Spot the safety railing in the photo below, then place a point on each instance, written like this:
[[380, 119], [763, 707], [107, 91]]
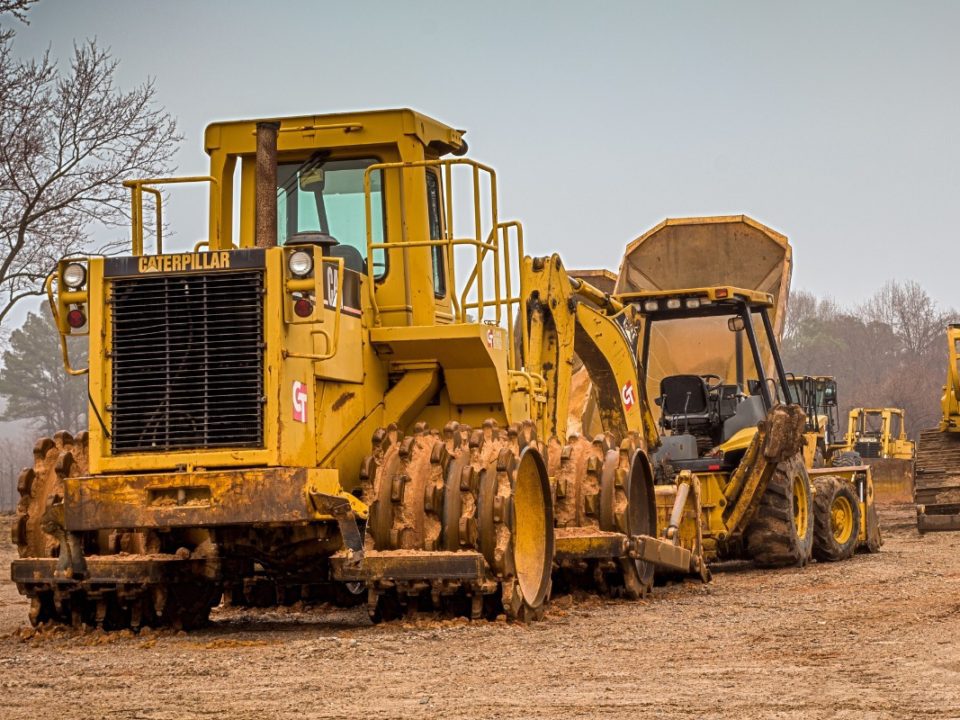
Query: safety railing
[[137, 188], [489, 286]]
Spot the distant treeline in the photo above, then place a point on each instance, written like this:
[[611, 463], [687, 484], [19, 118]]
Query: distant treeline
[[890, 351]]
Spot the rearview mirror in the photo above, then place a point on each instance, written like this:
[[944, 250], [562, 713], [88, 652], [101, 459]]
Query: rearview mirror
[[735, 324], [312, 180]]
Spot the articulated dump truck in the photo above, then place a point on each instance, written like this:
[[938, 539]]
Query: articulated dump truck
[[937, 483], [359, 392]]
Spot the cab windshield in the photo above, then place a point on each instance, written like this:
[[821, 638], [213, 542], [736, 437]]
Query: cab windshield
[[326, 196]]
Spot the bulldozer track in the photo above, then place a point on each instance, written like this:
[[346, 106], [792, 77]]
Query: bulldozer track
[[937, 481]]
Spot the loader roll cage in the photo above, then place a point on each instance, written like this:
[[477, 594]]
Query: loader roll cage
[[818, 396], [723, 301]]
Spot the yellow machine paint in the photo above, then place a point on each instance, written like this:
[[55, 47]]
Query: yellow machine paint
[[817, 394], [879, 433], [878, 437], [937, 488], [711, 444], [332, 399], [361, 392]]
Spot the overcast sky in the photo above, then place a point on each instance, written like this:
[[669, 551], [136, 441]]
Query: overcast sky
[[834, 122]]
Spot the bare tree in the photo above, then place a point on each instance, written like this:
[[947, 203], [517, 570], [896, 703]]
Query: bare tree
[[69, 140], [33, 381], [887, 352], [911, 312]]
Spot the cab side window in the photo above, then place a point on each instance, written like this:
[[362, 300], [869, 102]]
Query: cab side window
[[436, 233]]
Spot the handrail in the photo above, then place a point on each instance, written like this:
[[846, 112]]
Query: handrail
[[137, 188], [487, 244], [64, 350]]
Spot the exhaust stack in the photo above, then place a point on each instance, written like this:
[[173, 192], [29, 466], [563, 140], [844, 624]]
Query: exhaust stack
[[266, 193]]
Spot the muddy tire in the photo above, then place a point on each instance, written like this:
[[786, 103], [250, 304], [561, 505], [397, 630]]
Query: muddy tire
[[847, 458], [781, 534], [836, 520]]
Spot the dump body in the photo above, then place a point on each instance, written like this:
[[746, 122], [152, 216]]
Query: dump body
[[701, 252]]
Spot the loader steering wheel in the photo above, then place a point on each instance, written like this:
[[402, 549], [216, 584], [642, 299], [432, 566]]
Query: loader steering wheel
[[710, 376]]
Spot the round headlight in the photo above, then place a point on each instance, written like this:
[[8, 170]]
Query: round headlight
[[300, 263], [74, 275]]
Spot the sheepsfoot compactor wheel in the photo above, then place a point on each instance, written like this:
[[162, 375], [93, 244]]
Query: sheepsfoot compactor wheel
[[105, 578], [463, 521], [235, 389], [460, 521]]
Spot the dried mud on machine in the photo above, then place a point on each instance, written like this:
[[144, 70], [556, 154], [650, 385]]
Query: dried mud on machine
[[362, 392]]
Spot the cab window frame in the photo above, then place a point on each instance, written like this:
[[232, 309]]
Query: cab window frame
[[438, 257], [375, 160]]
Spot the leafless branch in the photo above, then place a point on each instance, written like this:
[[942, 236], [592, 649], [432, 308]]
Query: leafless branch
[[70, 139]]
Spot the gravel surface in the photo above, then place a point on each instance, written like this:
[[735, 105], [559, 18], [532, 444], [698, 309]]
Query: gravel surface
[[874, 637]]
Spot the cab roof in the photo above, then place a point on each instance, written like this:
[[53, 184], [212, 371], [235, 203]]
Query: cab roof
[[715, 294], [365, 127]]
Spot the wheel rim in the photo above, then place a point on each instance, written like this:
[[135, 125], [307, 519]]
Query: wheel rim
[[801, 510], [841, 519], [532, 528]]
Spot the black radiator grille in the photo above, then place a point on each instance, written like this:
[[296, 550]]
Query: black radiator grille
[[187, 362]]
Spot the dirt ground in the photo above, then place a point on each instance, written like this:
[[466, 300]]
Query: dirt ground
[[875, 637]]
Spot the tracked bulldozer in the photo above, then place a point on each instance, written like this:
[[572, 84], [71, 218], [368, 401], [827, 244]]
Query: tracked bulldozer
[[878, 437], [937, 483], [360, 394]]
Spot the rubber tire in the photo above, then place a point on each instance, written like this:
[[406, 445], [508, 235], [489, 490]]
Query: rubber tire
[[847, 458], [772, 539], [825, 545]]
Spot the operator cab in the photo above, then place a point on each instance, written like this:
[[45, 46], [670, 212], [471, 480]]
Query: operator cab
[[818, 397], [321, 202], [710, 359]]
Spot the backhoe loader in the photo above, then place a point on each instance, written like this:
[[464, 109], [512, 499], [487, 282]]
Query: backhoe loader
[[937, 484], [708, 435]]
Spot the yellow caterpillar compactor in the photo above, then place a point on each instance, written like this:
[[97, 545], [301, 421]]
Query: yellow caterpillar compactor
[[937, 484], [359, 392]]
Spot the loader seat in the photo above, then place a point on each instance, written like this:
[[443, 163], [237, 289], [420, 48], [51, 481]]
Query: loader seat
[[685, 403], [352, 259]]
